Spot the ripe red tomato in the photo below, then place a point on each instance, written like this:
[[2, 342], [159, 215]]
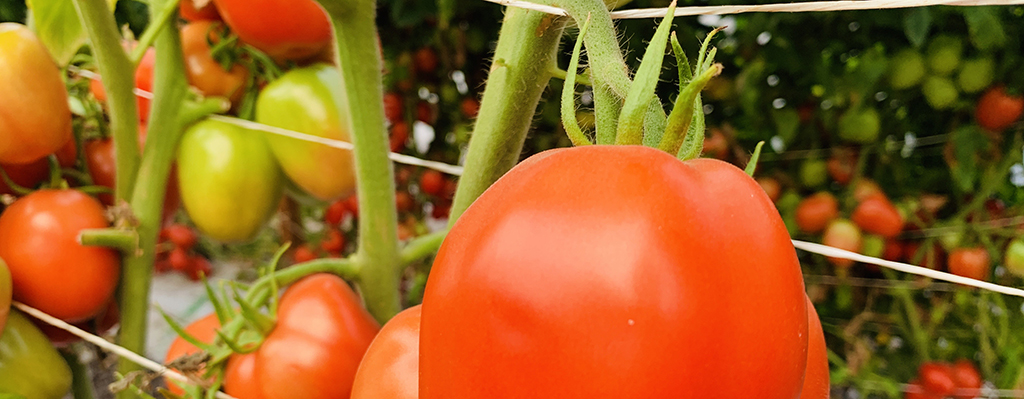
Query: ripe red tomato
[[432, 182], [27, 175], [335, 212], [189, 12], [102, 163], [470, 107], [841, 166], [284, 29], [937, 378], [204, 72], [876, 215], [842, 234], [968, 379], [39, 240], [970, 262], [403, 202], [393, 107], [314, 350], [390, 369], [425, 60], [399, 135], [34, 115], [816, 379], [615, 272], [997, 110], [893, 251], [333, 242], [304, 253], [181, 235], [205, 330], [815, 212]]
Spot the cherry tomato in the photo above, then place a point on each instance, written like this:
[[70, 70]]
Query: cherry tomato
[[814, 213], [204, 72], [5, 294], [67, 156], [284, 29], [937, 378], [190, 12], [198, 267], [1014, 257], [470, 107], [665, 245], [893, 251], [34, 115], [403, 202], [877, 215], [997, 110], [333, 242], [229, 182], [143, 82], [716, 145], [181, 235], [314, 350], [916, 391], [968, 379], [393, 107], [425, 60], [27, 175], [816, 380], [970, 262], [399, 135], [310, 100], [304, 254], [178, 259], [204, 330], [390, 369], [335, 212], [432, 182], [842, 234], [39, 240]]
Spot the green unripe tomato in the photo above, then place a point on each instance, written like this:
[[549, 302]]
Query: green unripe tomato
[[310, 100], [860, 126], [872, 245], [976, 75], [29, 365], [944, 54], [1014, 257], [940, 92], [814, 173], [230, 183], [906, 69]]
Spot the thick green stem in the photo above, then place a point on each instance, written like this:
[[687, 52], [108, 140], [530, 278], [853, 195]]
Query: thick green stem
[[169, 91], [527, 45], [119, 83], [126, 241], [81, 382], [358, 56]]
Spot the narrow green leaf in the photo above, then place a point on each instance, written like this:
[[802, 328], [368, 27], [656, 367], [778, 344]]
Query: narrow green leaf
[[607, 107], [752, 165], [631, 120], [224, 313], [258, 321], [182, 333], [685, 74], [916, 25], [572, 126]]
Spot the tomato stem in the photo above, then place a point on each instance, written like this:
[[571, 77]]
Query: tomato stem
[[527, 46], [572, 126], [126, 241], [422, 247], [81, 382], [165, 15]]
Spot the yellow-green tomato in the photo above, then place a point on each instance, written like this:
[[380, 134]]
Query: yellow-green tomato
[[310, 100], [230, 184], [6, 290], [29, 364]]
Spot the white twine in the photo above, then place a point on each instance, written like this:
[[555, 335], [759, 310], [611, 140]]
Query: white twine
[[811, 6]]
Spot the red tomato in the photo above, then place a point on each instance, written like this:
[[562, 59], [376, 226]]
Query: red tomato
[[333, 242], [205, 330], [240, 375], [314, 350], [841, 166], [39, 240], [335, 212], [304, 253], [970, 262], [916, 391], [426, 112], [816, 380], [876, 215], [470, 107], [181, 235], [399, 135], [204, 72], [716, 145], [198, 267], [191, 13], [425, 60], [967, 378], [352, 204], [67, 156], [404, 202], [178, 259], [432, 182], [997, 110], [615, 272], [284, 29], [842, 234], [815, 212], [102, 163], [390, 369], [893, 251], [393, 107], [937, 378], [27, 175]]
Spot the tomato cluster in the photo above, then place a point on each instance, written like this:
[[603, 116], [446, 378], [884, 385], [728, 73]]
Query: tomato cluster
[[936, 380], [177, 253]]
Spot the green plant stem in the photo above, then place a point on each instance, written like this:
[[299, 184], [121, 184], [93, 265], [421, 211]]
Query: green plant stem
[[992, 181], [170, 91], [156, 25], [559, 73], [917, 333], [527, 45], [81, 382], [126, 241], [119, 83], [422, 247], [358, 56], [988, 355]]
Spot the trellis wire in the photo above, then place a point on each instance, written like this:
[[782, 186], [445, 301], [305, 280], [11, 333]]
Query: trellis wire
[[810, 6]]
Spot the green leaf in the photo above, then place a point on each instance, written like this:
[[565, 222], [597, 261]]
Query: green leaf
[[968, 142], [57, 24], [917, 24], [985, 26]]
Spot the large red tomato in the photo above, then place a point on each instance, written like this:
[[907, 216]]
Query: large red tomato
[[284, 29], [616, 272], [51, 271], [816, 379], [314, 350], [390, 369]]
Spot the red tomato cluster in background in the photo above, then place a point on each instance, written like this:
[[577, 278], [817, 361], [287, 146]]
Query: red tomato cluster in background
[[936, 380], [177, 244]]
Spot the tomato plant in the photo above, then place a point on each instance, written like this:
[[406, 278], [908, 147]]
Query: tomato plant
[[997, 110], [39, 240], [390, 368], [284, 29], [310, 100], [229, 182], [29, 365], [1014, 257], [655, 238], [203, 71], [970, 262], [34, 115], [300, 359]]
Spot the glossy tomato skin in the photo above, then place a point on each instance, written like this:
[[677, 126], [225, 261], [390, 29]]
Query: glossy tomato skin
[[390, 369], [34, 115], [29, 365], [229, 182], [204, 72], [816, 380], [314, 350], [284, 29], [310, 100], [205, 330], [5, 293], [39, 240], [615, 272]]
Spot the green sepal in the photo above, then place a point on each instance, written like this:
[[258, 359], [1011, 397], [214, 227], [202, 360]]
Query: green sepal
[[224, 313], [678, 138], [258, 321], [183, 334], [235, 346], [271, 268], [631, 120], [752, 165], [572, 126], [685, 74]]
